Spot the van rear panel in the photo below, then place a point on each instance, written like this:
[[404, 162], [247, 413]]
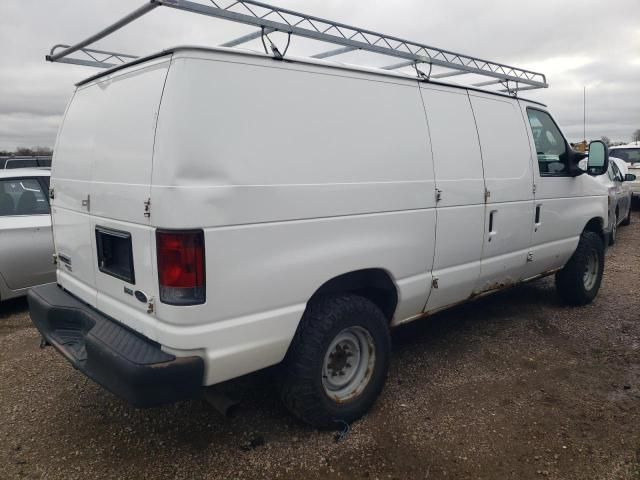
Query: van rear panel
[[101, 178]]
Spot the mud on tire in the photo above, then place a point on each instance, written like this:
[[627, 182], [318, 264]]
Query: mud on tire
[[579, 281], [304, 386]]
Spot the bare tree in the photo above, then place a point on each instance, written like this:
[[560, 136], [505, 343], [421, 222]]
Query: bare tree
[[606, 140], [636, 136], [24, 151]]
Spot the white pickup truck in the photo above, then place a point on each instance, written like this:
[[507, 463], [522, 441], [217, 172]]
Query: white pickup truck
[[217, 211]]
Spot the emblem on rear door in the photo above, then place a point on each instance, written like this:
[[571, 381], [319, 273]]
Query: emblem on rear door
[[141, 296]]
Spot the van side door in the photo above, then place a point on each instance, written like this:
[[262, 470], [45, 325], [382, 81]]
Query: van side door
[[506, 157], [460, 191]]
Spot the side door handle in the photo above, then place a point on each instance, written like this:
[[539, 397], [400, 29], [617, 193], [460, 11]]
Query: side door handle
[[492, 224], [537, 221]]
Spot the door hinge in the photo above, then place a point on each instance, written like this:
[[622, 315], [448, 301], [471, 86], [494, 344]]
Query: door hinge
[[150, 306], [487, 194], [530, 257], [55, 258], [147, 208], [87, 203], [438, 194], [434, 282], [534, 188], [52, 193]]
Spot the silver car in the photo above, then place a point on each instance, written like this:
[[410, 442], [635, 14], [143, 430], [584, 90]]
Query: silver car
[[616, 181], [26, 241]]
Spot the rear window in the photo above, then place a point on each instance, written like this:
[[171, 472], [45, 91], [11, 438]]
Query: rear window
[[629, 155], [22, 196], [32, 162], [21, 163]]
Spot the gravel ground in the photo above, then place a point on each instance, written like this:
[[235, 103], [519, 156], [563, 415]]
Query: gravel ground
[[511, 386]]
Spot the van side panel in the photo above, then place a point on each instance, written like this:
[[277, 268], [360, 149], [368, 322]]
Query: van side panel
[[298, 174], [460, 211], [260, 277], [276, 141], [509, 215]]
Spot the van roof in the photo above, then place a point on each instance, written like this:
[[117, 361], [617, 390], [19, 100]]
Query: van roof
[[290, 59]]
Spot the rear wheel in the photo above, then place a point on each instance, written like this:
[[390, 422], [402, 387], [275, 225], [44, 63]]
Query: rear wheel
[[338, 361], [579, 281]]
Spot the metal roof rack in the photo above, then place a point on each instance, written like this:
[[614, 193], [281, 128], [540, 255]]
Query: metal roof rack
[[270, 19]]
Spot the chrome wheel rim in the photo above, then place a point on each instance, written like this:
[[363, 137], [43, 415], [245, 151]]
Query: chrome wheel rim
[[591, 270], [348, 364]]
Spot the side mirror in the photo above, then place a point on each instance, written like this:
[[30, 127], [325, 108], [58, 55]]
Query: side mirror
[[629, 177], [598, 159]]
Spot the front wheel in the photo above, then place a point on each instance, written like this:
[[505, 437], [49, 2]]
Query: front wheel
[[579, 281], [614, 231], [338, 361], [627, 220]]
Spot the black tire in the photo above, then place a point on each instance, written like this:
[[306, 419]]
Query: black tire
[[570, 281], [302, 385], [613, 235], [627, 220]]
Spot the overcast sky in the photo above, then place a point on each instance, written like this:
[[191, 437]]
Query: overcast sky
[[576, 43]]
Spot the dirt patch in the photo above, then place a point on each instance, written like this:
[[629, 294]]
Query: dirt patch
[[515, 385]]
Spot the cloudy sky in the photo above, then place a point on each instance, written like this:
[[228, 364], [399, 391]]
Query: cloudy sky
[[576, 43]]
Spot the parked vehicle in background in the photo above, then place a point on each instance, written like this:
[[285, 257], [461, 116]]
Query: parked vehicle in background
[[26, 243], [303, 210], [619, 197], [25, 162], [631, 155]]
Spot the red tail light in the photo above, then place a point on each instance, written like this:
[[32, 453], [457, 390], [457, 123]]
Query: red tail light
[[181, 267]]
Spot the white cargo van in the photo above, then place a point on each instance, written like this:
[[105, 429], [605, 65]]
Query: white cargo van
[[217, 211]]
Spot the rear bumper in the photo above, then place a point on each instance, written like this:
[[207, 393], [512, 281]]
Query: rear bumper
[[122, 361]]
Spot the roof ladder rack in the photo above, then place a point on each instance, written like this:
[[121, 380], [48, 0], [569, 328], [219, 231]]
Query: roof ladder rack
[[268, 19]]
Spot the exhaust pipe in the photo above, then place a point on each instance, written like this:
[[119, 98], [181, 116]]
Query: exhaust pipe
[[221, 401]]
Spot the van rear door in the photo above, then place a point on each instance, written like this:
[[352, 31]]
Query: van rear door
[[101, 177]]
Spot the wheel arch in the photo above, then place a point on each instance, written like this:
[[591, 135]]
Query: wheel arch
[[596, 225], [374, 284]]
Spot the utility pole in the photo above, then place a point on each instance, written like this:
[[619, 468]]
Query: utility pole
[[584, 115]]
